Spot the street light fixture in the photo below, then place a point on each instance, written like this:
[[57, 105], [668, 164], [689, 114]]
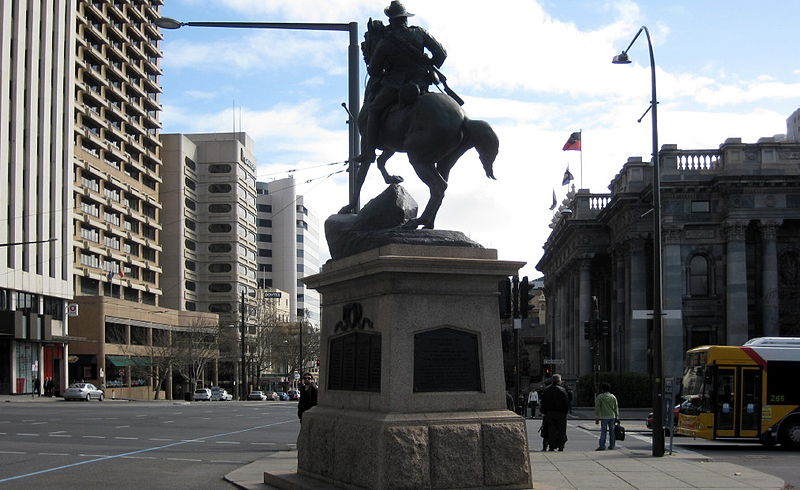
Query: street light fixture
[[353, 89], [658, 336]]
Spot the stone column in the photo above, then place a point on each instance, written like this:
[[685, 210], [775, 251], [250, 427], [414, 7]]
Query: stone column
[[637, 332], [769, 278], [736, 283], [672, 294], [584, 315], [618, 318]]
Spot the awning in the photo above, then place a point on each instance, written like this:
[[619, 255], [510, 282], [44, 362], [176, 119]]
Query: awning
[[119, 361], [141, 361]]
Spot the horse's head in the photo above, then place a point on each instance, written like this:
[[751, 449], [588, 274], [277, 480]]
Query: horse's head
[[374, 33]]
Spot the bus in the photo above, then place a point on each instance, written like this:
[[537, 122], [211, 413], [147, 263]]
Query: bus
[[749, 392]]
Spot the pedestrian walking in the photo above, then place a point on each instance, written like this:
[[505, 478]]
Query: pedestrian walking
[[533, 402], [606, 412], [554, 408], [308, 395]]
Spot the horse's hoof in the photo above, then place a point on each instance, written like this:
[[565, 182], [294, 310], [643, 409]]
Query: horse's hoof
[[410, 224], [346, 210], [395, 179]]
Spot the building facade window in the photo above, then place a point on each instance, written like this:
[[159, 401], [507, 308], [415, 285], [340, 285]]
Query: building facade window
[[699, 276]]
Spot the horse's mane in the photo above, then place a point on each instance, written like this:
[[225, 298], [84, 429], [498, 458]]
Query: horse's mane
[[375, 32]]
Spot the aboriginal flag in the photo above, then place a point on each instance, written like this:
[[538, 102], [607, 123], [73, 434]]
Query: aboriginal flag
[[574, 142]]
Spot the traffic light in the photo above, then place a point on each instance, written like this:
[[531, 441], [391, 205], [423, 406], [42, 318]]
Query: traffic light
[[545, 350], [525, 297], [548, 372], [515, 297], [605, 328], [504, 287]]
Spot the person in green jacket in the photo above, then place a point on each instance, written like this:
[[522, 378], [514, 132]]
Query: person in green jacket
[[606, 411]]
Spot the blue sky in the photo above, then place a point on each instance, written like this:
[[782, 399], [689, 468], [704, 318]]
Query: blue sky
[[535, 70]]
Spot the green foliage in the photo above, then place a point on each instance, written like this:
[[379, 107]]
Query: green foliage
[[633, 390]]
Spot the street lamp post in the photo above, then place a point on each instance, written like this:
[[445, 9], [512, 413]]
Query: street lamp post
[[353, 89], [658, 336]]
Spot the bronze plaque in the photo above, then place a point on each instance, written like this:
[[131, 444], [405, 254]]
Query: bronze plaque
[[354, 362], [446, 359]]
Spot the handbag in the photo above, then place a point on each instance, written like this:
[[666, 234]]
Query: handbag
[[619, 431]]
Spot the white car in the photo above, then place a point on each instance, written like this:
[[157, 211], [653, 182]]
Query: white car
[[221, 395], [256, 395], [83, 391], [202, 394]]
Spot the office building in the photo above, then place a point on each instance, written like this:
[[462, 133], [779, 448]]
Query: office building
[[37, 53]]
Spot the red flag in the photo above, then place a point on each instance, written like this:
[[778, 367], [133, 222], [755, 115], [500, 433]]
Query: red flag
[[121, 270], [574, 142]]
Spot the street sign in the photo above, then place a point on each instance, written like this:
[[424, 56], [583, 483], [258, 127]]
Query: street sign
[[555, 361], [72, 309], [272, 294], [517, 323]]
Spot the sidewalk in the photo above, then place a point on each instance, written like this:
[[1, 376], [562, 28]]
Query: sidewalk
[[617, 469]]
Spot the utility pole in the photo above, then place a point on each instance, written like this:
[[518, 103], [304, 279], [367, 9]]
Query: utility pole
[[244, 370]]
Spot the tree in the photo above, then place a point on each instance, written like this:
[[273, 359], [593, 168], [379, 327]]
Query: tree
[[194, 347], [153, 360]]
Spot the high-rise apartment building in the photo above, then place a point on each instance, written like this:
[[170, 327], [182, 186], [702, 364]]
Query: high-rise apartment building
[[117, 200], [288, 245], [37, 45], [210, 222]]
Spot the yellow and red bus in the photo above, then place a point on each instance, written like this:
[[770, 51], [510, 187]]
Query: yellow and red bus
[[749, 392]]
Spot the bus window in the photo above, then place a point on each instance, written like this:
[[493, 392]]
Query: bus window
[[751, 399], [724, 403]]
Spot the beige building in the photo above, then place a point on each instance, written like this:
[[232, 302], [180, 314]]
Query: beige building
[[118, 210]]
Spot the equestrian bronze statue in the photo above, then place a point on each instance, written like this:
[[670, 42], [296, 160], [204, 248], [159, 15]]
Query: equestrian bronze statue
[[400, 114]]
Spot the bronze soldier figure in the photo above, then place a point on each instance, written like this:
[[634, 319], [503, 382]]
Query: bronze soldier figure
[[397, 61]]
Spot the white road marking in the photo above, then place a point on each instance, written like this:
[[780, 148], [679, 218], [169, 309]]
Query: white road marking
[[60, 435], [191, 440], [38, 423], [264, 443], [183, 459], [138, 457], [155, 439], [12, 452], [94, 437], [226, 462], [121, 426], [94, 455], [54, 454], [226, 442], [56, 432], [128, 438], [33, 435], [169, 422]]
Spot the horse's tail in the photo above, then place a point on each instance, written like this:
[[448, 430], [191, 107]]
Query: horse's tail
[[480, 135]]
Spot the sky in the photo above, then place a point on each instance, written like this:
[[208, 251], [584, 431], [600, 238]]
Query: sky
[[536, 70]]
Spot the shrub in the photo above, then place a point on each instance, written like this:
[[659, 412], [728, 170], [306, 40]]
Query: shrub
[[633, 390]]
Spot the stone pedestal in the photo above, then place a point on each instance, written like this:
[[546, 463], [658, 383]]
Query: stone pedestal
[[411, 388]]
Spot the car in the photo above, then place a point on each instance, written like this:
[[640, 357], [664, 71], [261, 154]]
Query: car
[[675, 411], [293, 394], [282, 396], [83, 391], [221, 395], [271, 395], [256, 395], [202, 394]]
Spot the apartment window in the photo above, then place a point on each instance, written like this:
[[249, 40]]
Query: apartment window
[[149, 298], [190, 265], [131, 247], [90, 233], [265, 223], [111, 217], [190, 224], [190, 244], [149, 276], [190, 183], [111, 242], [90, 207], [219, 188], [263, 237], [302, 224], [219, 228], [264, 252], [131, 225], [219, 247], [299, 238], [191, 306], [90, 183], [116, 334], [264, 208], [149, 232], [149, 254], [219, 267], [265, 283], [149, 182], [190, 285], [219, 208], [220, 308], [149, 210], [190, 163], [219, 168], [264, 267], [90, 287], [90, 260], [219, 287], [190, 204]]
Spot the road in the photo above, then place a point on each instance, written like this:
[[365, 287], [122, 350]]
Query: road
[[138, 444], [193, 445]]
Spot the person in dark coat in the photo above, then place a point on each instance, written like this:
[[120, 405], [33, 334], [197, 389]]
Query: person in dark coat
[[308, 395], [554, 408]]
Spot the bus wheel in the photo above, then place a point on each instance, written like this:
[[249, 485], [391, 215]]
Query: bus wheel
[[790, 434]]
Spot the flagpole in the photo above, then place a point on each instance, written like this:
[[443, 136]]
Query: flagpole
[[581, 132]]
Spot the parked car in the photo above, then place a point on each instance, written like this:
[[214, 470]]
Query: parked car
[[83, 391], [202, 394], [221, 395], [283, 396], [271, 395], [257, 395], [293, 394], [675, 411]]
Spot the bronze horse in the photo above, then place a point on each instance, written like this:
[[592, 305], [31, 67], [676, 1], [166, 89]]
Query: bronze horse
[[431, 129]]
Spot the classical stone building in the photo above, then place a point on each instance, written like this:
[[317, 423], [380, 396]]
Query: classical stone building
[[730, 254]]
